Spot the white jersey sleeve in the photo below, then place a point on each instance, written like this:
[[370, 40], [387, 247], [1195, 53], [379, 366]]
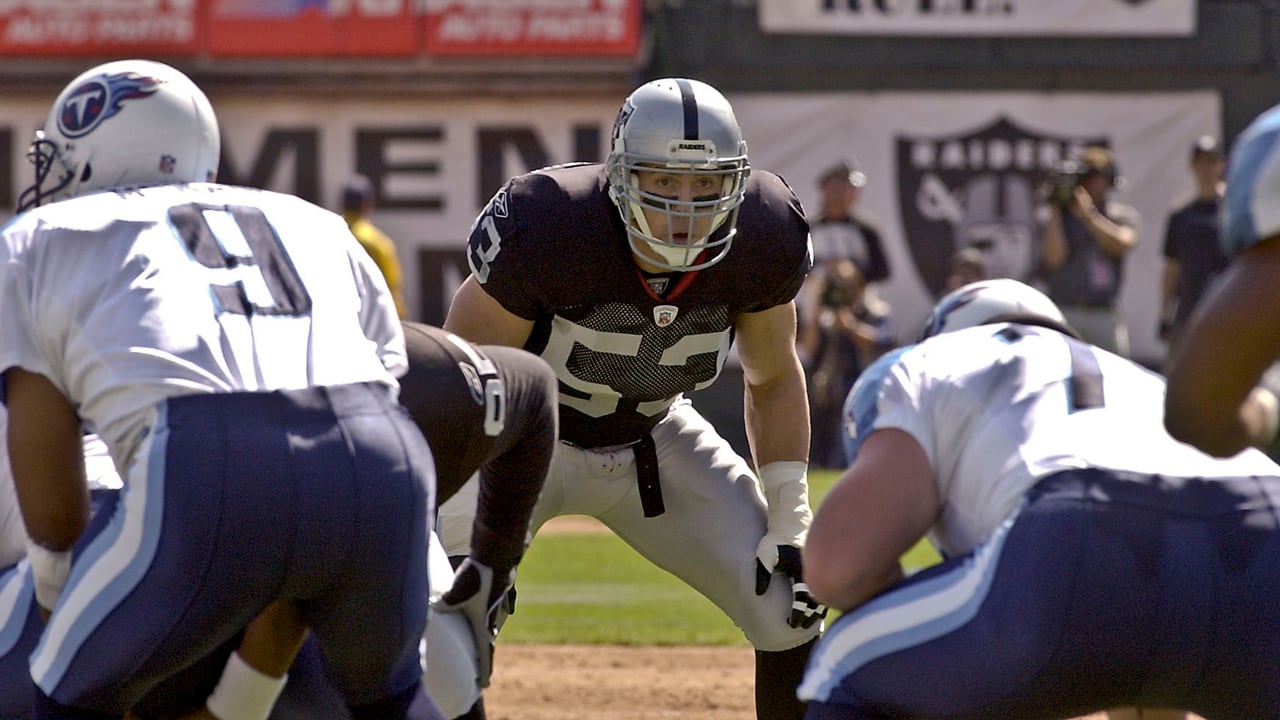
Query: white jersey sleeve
[[13, 533], [997, 407], [124, 298]]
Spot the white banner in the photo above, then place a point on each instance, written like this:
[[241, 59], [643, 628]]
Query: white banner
[[979, 17], [945, 169]]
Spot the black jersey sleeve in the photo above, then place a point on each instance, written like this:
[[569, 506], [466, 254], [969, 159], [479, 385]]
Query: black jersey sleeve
[[504, 248], [776, 241], [513, 475], [486, 409]]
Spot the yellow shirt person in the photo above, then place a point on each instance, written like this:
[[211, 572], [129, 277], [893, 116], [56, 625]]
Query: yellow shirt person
[[357, 203]]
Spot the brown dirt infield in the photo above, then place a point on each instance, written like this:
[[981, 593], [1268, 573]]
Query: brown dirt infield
[[607, 682]]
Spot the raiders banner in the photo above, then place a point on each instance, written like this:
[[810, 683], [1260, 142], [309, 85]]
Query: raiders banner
[[980, 17], [947, 171]]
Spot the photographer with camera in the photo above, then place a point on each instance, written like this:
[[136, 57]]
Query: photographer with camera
[[1085, 239], [846, 331]]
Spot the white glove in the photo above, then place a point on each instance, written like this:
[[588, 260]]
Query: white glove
[[478, 593], [786, 488], [50, 570]]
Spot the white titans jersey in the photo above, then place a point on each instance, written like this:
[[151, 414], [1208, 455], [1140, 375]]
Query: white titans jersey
[[13, 534], [124, 298], [997, 407]]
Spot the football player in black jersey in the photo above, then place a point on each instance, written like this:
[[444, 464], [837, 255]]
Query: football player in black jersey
[[632, 279], [488, 412]]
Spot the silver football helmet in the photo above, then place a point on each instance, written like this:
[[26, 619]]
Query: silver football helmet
[[683, 127], [123, 123], [985, 301]]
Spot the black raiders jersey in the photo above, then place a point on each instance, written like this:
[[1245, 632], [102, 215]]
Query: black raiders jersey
[[483, 408], [551, 247]]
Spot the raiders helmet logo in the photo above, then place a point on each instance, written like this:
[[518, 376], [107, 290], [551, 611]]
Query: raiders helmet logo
[[664, 315]]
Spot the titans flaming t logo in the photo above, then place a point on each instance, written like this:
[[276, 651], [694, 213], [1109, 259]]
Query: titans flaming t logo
[[99, 98]]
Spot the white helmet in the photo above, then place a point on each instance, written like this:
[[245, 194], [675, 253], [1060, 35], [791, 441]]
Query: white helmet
[[127, 122], [685, 127], [985, 301]]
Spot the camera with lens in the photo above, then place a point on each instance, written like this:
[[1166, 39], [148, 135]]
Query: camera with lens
[[1062, 182], [836, 295]]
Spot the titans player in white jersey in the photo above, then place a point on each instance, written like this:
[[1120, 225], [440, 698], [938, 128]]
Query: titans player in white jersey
[[486, 411], [1224, 379], [632, 279], [1091, 561], [237, 352]]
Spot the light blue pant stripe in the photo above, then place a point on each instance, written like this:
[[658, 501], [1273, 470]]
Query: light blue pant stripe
[[110, 567], [17, 593], [905, 618]]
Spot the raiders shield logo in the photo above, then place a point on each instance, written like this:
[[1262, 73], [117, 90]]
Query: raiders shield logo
[[977, 189], [664, 315]]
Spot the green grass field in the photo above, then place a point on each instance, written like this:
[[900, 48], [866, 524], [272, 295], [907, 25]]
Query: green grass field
[[592, 588]]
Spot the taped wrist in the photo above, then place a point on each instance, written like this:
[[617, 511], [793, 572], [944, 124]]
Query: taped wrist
[[244, 692], [1269, 406], [50, 569], [786, 489]]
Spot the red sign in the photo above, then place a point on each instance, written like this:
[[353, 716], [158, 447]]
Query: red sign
[[98, 27], [320, 28], [532, 27], [311, 28]]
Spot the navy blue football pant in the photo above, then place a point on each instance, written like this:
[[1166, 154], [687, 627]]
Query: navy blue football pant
[[1104, 591], [236, 499], [20, 626]]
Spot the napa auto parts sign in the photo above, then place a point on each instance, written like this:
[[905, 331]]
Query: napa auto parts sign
[[320, 28], [980, 17]]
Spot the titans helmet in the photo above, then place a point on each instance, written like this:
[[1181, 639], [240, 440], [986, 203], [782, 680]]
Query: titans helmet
[[985, 301], [683, 127], [121, 124]]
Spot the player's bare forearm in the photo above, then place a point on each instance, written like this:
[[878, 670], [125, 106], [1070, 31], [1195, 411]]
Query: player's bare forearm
[[776, 415], [776, 404], [47, 458], [1206, 404], [272, 640]]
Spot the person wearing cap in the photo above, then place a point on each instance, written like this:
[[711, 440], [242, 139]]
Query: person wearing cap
[[1090, 561], [840, 231], [1193, 255], [1085, 238], [840, 235], [357, 206]]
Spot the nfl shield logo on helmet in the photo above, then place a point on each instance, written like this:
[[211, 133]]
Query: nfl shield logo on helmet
[[664, 315], [167, 163]]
